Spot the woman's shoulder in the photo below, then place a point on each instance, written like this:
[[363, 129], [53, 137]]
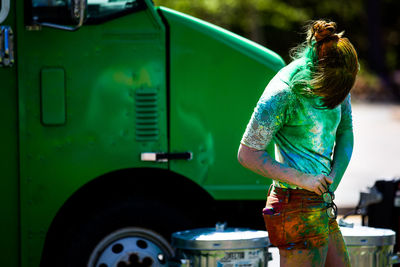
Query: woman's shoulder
[[278, 89], [287, 72], [281, 83]]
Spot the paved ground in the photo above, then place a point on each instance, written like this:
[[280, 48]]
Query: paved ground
[[376, 154]]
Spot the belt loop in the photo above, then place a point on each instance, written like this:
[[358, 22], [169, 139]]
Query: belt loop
[[287, 195]]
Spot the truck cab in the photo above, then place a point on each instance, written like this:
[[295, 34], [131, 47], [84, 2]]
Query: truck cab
[[121, 122]]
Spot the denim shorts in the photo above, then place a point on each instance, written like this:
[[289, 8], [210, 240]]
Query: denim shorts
[[297, 219]]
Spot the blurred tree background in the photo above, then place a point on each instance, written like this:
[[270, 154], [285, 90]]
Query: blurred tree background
[[373, 26]]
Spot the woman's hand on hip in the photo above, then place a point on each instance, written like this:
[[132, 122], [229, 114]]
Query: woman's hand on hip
[[316, 183]]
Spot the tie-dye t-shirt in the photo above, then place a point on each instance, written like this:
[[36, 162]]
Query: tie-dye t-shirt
[[304, 133]]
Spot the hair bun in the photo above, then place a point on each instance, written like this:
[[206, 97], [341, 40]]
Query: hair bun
[[323, 30]]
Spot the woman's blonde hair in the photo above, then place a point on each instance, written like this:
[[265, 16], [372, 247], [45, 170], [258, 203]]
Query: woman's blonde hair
[[331, 64]]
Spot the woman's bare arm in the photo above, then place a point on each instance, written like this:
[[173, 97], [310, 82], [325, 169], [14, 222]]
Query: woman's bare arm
[[262, 163], [341, 156]]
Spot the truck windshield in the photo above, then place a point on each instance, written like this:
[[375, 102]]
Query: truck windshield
[[57, 11]]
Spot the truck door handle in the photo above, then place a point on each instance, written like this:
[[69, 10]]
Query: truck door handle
[[164, 157]]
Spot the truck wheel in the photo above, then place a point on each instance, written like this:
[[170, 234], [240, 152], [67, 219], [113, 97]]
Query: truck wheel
[[129, 232], [131, 247]]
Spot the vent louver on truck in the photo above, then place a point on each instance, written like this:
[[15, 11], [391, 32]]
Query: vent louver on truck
[[146, 114]]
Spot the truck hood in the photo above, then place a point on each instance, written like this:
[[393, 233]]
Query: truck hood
[[258, 52]]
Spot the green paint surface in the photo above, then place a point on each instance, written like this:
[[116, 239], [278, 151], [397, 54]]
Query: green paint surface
[[53, 96]]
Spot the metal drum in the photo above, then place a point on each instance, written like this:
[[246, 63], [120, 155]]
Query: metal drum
[[369, 247], [220, 247]]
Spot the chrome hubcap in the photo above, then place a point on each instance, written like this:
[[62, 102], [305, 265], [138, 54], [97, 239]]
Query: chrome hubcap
[[131, 247]]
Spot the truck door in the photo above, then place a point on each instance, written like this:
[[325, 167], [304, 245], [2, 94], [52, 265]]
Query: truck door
[[91, 100], [8, 142]]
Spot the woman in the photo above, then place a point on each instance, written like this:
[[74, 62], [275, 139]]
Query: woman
[[305, 110]]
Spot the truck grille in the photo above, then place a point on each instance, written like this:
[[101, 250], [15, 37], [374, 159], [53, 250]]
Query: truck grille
[[146, 114]]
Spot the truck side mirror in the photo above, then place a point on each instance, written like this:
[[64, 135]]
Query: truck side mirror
[[77, 11]]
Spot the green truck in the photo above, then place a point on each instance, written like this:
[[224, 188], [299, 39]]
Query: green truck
[[120, 125]]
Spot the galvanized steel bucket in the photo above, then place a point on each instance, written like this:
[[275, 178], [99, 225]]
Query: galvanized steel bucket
[[220, 247], [370, 247]]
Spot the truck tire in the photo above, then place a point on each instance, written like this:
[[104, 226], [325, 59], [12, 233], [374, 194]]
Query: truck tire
[[132, 232]]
